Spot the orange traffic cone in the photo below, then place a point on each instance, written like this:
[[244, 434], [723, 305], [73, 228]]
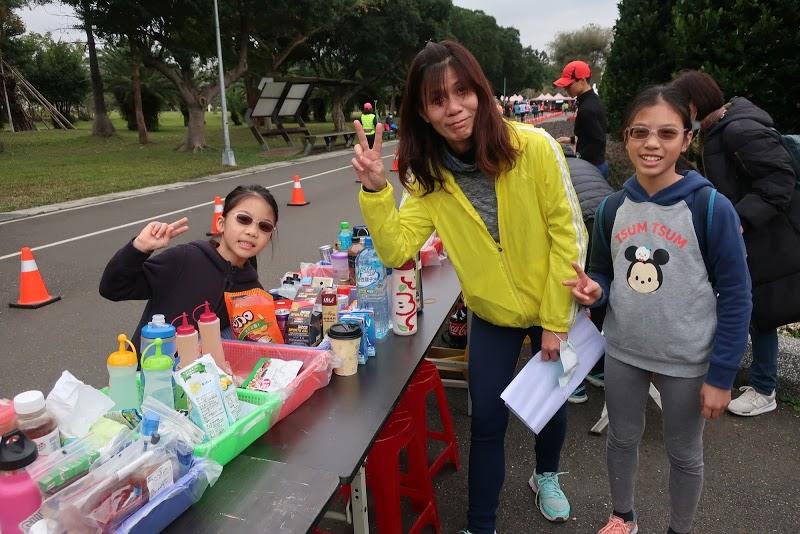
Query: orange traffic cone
[[32, 291], [217, 216], [298, 197], [395, 164]]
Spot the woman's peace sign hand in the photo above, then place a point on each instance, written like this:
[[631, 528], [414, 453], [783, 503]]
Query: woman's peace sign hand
[[368, 162], [585, 291]]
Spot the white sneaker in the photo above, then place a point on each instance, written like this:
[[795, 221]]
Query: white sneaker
[[751, 402]]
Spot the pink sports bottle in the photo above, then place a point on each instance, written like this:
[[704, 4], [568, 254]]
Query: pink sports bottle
[[19, 494]]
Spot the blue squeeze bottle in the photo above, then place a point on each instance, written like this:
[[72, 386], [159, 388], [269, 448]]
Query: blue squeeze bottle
[[158, 327], [371, 286]]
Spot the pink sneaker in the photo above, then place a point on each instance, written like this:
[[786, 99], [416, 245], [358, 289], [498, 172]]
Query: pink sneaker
[[617, 525]]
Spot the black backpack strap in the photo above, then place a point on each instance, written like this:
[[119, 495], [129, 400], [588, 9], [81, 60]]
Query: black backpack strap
[[607, 212], [703, 220]]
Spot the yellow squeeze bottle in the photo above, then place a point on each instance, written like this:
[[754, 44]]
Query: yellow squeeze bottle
[[122, 387]]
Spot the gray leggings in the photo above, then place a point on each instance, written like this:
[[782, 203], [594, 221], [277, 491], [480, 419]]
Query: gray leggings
[[626, 397]]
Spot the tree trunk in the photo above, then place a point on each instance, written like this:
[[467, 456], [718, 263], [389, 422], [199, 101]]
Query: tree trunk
[[136, 82], [102, 126], [337, 115], [196, 133]]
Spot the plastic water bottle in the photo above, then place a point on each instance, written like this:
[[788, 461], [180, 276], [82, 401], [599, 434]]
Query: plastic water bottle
[[345, 239], [371, 284], [19, 494], [122, 386], [157, 370]]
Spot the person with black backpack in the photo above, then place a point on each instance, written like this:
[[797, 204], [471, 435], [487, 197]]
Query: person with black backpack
[[744, 157]]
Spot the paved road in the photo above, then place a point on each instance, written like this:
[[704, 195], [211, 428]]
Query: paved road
[[78, 332]]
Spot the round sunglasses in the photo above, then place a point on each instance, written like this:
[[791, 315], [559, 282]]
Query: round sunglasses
[[246, 220], [666, 133]]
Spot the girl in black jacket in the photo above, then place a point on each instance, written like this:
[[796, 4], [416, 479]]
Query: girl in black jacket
[[184, 276], [746, 161]]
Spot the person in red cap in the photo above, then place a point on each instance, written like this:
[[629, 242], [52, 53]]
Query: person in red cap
[[591, 125], [368, 121]]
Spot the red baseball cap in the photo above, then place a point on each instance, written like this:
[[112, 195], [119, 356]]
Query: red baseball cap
[[574, 71], [367, 107]]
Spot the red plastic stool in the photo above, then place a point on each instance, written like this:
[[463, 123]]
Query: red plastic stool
[[384, 477], [425, 381]]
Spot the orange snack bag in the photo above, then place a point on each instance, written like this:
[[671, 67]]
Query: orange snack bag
[[252, 315]]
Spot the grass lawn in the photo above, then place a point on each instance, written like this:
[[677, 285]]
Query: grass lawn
[[49, 166]]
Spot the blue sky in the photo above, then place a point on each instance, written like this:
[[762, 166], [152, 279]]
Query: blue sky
[[538, 21]]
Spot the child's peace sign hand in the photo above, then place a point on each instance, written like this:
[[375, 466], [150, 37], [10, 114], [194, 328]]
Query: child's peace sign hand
[[584, 290], [368, 162], [157, 235]]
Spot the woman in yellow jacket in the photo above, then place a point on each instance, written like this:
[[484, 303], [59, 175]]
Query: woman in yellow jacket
[[500, 196]]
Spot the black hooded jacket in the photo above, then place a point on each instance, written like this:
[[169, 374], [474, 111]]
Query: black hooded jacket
[[745, 160], [175, 281]]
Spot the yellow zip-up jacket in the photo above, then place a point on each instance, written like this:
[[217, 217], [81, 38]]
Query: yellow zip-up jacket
[[516, 283]]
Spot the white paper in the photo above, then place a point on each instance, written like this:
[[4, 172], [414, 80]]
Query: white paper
[[535, 394], [76, 406]]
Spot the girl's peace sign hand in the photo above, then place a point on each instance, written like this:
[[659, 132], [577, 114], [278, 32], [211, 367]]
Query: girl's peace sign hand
[[157, 235], [585, 291], [368, 162]]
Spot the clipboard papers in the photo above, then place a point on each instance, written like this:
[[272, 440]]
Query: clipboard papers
[[535, 394]]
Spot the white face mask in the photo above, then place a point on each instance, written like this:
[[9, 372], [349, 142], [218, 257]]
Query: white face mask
[[695, 125], [569, 362]]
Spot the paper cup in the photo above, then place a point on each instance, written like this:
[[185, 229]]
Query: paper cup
[[345, 342]]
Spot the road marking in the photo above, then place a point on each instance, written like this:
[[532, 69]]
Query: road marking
[[161, 215]]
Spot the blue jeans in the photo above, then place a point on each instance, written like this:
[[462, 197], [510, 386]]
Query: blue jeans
[[493, 354], [764, 369], [603, 168]]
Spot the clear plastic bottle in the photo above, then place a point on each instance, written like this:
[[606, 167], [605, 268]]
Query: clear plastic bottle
[[122, 387], [157, 371], [36, 422], [344, 239], [352, 253], [371, 284]]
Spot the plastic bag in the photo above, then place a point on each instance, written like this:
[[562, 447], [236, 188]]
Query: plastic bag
[[252, 315], [162, 510], [173, 425], [112, 491]]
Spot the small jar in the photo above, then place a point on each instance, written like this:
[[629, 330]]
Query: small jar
[[36, 423]]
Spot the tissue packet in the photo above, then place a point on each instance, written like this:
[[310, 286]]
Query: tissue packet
[[272, 374]]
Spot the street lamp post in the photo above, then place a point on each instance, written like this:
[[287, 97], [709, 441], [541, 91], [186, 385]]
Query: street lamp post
[[228, 158]]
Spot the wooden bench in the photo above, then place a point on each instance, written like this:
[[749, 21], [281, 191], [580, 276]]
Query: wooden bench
[[330, 140]]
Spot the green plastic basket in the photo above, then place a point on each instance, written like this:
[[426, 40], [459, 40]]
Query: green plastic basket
[[228, 445]]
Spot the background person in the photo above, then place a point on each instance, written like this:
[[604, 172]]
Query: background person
[[745, 160], [591, 125]]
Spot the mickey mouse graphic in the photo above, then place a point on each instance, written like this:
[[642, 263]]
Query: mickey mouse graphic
[[644, 273]]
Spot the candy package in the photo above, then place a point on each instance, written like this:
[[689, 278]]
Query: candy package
[[252, 315]]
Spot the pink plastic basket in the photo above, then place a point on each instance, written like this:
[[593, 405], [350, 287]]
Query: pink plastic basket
[[315, 373]]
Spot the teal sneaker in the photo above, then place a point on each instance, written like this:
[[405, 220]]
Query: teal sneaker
[[579, 396], [597, 379], [549, 498]]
